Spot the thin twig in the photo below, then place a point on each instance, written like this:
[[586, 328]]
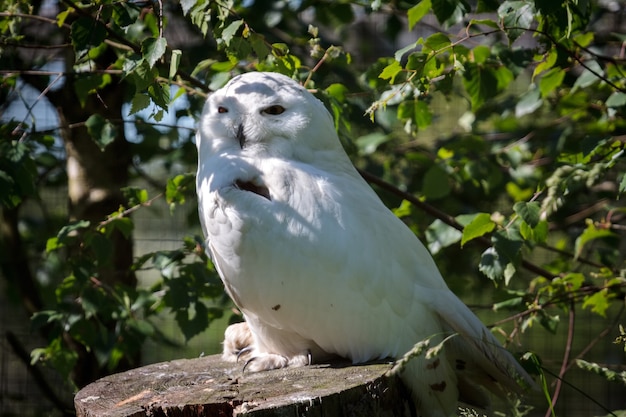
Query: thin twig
[[565, 361]]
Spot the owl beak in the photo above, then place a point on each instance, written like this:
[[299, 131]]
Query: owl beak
[[250, 186], [241, 137]]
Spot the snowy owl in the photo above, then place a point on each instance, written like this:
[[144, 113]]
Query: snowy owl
[[316, 263]]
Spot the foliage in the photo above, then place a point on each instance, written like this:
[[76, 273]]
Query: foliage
[[533, 165]]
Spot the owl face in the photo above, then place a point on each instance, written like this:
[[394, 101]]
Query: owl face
[[261, 115]]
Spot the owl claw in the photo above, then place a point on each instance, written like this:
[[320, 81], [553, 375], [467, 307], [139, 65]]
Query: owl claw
[[244, 351], [265, 362]]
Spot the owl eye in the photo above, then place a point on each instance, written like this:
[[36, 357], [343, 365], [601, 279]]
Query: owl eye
[[275, 109], [222, 109]]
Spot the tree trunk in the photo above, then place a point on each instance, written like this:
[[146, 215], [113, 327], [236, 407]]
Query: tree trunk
[[211, 387]]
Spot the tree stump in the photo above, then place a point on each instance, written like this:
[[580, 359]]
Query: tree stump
[[209, 386]]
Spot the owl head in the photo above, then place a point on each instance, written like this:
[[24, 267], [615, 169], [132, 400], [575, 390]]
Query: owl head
[[262, 114]]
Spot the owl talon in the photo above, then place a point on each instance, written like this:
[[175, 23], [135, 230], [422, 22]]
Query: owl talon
[[265, 362], [244, 351]]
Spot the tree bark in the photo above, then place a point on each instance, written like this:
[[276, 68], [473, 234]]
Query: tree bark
[[211, 387]]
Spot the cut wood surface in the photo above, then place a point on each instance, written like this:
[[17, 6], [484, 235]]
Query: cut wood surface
[[209, 386]]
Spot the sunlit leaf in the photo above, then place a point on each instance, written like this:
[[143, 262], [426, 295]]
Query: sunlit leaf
[[591, 233], [230, 31], [175, 62], [598, 302], [551, 80], [417, 12], [480, 225], [391, 71]]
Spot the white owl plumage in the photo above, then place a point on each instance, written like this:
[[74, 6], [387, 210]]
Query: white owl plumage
[[317, 264]]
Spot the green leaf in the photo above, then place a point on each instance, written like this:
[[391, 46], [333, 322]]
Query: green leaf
[[549, 322], [584, 39], [551, 80], [481, 54], [417, 111], [64, 236], [369, 143], [491, 265], [400, 53], [142, 327], [622, 184], [589, 76], [517, 16], [606, 373], [538, 234], [480, 83], [153, 49], [391, 71], [416, 61], [511, 304], [86, 32], [194, 320], [259, 46], [175, 62], [230, 31], [487, 22], [121, 224], [139, 102], [160, 94], [177, 187], [405, 209], [548, 62], [101, 130], [224, 66], [437, 41], [480, 224], [141, 73], [440, 235], [337, 91], [88, 84], [102, 248], [589, 234], [528, 103], [450, 12], [617, 99], [499, 261], [530, 212], [436, 183], [599, 301], [135, 195], [417, 12]]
